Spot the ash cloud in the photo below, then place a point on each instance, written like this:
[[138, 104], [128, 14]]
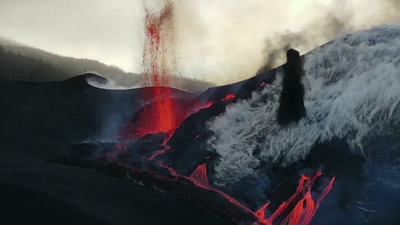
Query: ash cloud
[[311, 36], [219, 41], [230, 42], [394, 3], [341, 18], [236, 32]]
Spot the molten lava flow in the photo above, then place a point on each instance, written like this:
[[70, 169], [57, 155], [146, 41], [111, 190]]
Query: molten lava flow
[[306, 208], [299, 209], [144, 124], [146, 119], [200, 174], [194, 109], [261, 212], [228, 97], [298, 216]]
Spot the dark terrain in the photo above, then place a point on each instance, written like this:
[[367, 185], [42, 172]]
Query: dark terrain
[[37, 122]]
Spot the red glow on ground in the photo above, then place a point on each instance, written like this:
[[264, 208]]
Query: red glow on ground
[[261, 212], [209, 105], [299, 208], [263, 84], [122, 149], [229, 97], [226, 98], [306, 208], [200, 174], [196, 109], [301, 214], [147, 124]]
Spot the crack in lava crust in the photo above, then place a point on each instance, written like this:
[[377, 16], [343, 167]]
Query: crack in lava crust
[[302, 213], [298, 209]]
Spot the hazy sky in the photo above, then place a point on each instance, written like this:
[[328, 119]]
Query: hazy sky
[[217, 40]]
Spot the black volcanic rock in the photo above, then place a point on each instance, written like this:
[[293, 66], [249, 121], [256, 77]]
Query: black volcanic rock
[[291, 102], [242, 89], [75, 109], [188, 143], [34, 191]]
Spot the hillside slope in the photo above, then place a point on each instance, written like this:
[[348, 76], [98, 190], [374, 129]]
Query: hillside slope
[[72, 66], [16, 67]]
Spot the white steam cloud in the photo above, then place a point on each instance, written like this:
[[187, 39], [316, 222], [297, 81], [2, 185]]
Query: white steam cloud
[[352, 92]]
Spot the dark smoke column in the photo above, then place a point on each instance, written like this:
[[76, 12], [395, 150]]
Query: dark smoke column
[[291, 101]]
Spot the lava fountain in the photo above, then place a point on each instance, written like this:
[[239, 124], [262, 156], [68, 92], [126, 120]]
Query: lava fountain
[[162, 113], [158, 66]]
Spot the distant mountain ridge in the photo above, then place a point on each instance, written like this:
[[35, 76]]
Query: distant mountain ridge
[[70, 67], [8, 41], [16, 67]]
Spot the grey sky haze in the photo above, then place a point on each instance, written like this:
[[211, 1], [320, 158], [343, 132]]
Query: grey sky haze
[[220, 41]]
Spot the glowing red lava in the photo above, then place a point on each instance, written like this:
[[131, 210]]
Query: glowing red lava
[[161, 113], [165, 116], [144, 123], [228, 97], [159, 37], [298, 209], [301, 214], [200, 174]]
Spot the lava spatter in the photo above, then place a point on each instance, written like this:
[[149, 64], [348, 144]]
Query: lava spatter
[[159, 30]]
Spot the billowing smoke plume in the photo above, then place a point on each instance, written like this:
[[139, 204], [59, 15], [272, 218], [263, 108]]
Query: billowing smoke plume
[[338, 20], [228, 42], [395, 4], [318, 32], [224, 42]]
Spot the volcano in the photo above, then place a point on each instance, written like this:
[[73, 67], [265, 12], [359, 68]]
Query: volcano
[[74, 153]]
